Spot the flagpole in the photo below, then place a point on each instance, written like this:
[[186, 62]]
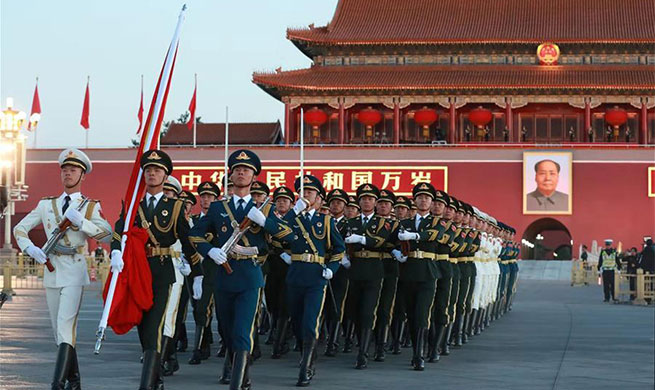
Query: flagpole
[[36, 131], [86, 136], [302, 152], [227, 141], [194, 119]]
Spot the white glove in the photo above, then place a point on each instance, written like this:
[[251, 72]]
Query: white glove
[[408, 236], [345, 262], [398, 255], [285, 257], [327, 274], [74, 216], [184, 267], [217, 255], [117, 262], [245, 250], [257, 216], [356, 239], [300, 205], [37, 254], [197, 287]]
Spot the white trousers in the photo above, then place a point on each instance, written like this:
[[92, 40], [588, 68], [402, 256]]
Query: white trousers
[[64, 307], [171, 309]]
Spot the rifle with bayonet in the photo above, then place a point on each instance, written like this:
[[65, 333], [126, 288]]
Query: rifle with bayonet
[[58, 234]]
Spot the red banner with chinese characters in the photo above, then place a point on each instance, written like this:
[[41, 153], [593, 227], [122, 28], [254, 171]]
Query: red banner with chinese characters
[[346, 175], [651, 182]]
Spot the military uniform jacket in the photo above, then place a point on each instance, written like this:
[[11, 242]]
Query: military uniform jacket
[[214, 229], [167, 225], [277, 266], [433, 233], [377, 231], [318, 236], [459, 244], [70, 269], [209, 268]]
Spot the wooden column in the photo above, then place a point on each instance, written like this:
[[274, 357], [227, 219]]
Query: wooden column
[[287, 123], [453, 122], [509, 118], [342, 123], [643, 125], [587, 118], [396, 123]]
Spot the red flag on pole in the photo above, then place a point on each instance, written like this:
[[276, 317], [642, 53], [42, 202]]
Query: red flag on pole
[[140, 113], [85, 109], [35, 115], [192, 109]]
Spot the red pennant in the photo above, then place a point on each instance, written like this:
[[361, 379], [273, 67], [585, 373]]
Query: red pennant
[[85, 110], [35, 115], [140, 113], [192, 109]]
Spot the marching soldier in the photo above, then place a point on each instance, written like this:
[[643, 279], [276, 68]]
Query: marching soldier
[[514, 269], [390, 260], [165, 223], [259, 191], [337, 200], [237, 294], [276, 292], [460, 277], [467, 280], [352, 207], [316, 250], [173, 190], [402, 208], [65, 284], [419, 273], [608, 262], [202, 308]]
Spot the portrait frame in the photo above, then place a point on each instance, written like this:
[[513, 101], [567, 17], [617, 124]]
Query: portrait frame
[[564, 186]]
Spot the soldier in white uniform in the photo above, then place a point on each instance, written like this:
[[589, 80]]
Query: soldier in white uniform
[[65, 285]]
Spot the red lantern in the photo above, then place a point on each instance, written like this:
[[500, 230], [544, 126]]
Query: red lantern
[[369, 117], [425, 117], [480, 117], [616, 117], [315, 117]]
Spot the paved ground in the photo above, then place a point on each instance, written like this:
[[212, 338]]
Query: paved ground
[[557, 336]]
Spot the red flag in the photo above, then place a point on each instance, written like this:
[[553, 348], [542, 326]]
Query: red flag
[[140, 113], [35, 115], [85, 109], [192, 109]]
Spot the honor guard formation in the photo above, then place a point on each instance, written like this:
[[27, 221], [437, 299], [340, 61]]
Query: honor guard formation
[[347, 276]]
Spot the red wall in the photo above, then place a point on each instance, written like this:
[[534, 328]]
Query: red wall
[[609, 199]]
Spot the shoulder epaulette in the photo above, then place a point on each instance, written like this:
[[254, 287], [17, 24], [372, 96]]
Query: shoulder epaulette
[[49, 197]]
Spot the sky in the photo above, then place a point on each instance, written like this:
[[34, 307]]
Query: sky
[[115, 42]]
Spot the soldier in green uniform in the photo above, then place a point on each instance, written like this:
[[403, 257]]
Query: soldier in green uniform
[[259, 191], [390, 260], [417, 282], [337, 200], [467, 277], [276, 291], [402, 207], [202, 309], [368, 235], [608, 263], [165, 223], [238, 293], [352, 207], [316, 250]]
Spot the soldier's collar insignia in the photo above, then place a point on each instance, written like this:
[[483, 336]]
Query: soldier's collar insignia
[[243, 156], [154, 156]]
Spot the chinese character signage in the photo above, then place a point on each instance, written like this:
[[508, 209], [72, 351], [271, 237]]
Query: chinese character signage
[[398, 178], [651, 182]]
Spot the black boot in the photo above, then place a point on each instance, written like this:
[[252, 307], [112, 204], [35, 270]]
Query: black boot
[[473, 323], [380, 339], [280, 345], [333, 339], [74, 382], [221, 350], [396, 332], [434, 333], [479, 322], [238, 369], [182, 340], [487, 314], [149, 370], [306, 363], [246, 384], [418, 362], [270, 338], [350, 333], [171, 364], [406, 337], [205, 344], [165, 348], [459, 332], [62, 367], [362, 355], [445, 348], [465, 326], [196, 358], [256, 349], [227, 369]]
